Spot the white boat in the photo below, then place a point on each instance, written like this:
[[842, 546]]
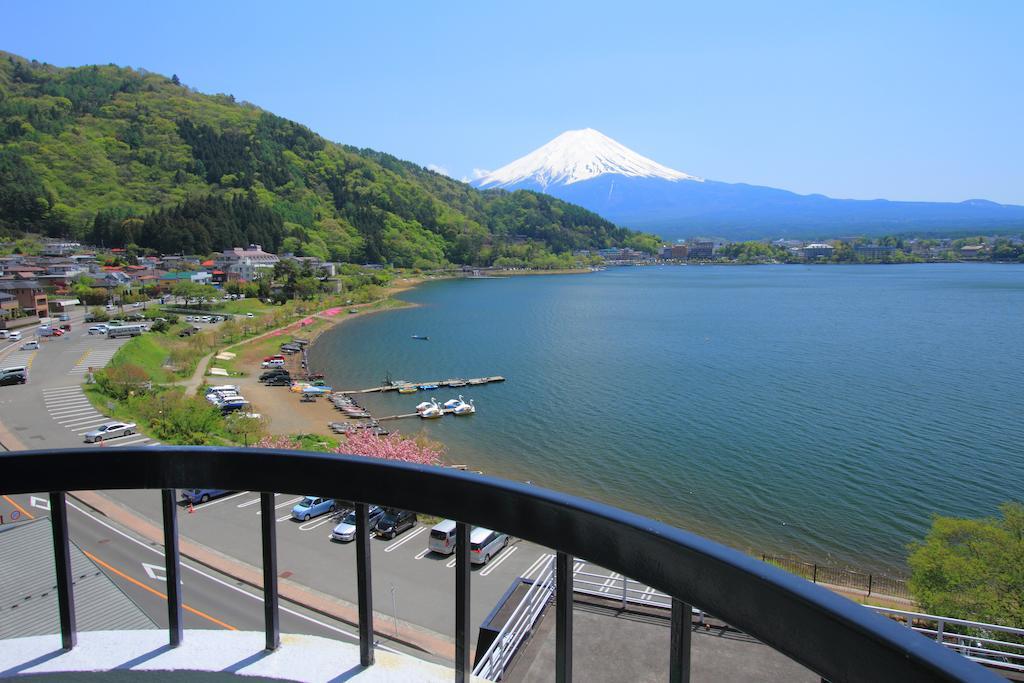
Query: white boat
[[465, 408], [420, 407], [453, 403], [433, 412]]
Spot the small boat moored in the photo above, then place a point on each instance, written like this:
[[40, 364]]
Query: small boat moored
[[407, 389], [464, 408], [421, 337]]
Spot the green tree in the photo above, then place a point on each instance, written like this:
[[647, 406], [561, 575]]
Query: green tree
[[973, 568]]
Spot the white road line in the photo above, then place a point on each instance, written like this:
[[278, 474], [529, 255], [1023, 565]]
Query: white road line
[[309, 526], [75, 402], [536, 565], [69, 396], [504, 555], [254, 596], [288, 516], [451, 563], [411, 535], [248, 503], [54, 390], [72, 412], [422, 554], [292, 501], [218, 500], [130, 441], [88, 425], [68, 421]]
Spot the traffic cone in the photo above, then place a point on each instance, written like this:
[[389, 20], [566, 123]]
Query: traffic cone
[[190, 508]]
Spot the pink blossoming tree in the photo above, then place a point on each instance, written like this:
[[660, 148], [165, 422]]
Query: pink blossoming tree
[[365, 443]]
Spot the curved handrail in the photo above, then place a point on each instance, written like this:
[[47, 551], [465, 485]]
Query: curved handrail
[[829, 634]]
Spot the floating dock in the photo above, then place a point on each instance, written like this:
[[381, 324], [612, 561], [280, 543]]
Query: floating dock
[[442, 383]]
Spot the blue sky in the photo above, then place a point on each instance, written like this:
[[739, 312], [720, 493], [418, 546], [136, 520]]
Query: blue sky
[[907, 100]]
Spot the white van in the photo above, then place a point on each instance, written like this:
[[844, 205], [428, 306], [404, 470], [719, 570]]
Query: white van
[[442, 537], [485, 544], [15, 336], [223, 387]]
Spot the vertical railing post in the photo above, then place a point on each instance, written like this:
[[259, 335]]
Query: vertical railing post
[[462, 603], [364, 585], [172, 567], [814, 577], [62, 563], [870, 580], [680, 639], [268, 529], [625, 587], [563, 617], [939, 628]]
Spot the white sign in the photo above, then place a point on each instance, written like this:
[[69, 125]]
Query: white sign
[[155, 571], [41, 503]]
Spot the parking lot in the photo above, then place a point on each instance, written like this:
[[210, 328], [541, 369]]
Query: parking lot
[[415, 584]]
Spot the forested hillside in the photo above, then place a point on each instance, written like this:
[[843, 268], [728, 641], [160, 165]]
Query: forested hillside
[[116, 156]]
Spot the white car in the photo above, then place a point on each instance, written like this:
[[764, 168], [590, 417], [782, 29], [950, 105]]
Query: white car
[[249, 315], [98, 329], [30, 346], [110, 431], [15, 336]]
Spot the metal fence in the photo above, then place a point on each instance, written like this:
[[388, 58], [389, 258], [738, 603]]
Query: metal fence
[[869, 584]]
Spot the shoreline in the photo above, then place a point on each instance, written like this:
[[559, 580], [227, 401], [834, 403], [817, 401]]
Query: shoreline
[[275, 406]]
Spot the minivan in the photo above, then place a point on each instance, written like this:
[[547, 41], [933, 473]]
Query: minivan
[[485, 544], [17, 374], [15, 335], [442, 537]]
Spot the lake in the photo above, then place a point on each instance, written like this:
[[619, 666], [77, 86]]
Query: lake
[[825, 412]]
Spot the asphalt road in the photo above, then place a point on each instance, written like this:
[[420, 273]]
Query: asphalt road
[[211, 600]]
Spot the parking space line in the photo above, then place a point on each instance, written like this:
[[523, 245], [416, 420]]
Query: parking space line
[[251, 502], [55, 389], [71, 422], [129, 441], [71, 412], [288, 516], [293, 501], [218, 500], [61, 393], [537, 564], [451, 563], [413, 534], [494, 564], [89, 425], [309, 526], [422, 554]]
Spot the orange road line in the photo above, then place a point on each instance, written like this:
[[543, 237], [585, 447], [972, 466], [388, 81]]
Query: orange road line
[[20, 509], [154, 591]]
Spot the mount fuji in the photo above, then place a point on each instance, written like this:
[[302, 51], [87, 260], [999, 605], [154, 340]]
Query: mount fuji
[[588, 168]]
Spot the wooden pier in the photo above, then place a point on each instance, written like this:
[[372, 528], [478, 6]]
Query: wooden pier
[[479, 381]]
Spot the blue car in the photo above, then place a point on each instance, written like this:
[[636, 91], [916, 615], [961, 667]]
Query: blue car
[[313, 506], [196, 496]]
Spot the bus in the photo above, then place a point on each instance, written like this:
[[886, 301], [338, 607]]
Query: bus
[[125, 331]]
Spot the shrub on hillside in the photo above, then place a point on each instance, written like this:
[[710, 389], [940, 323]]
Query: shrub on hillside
[[122, 381], [173, 417]]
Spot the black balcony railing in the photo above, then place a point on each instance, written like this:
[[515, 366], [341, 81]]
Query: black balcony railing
[[830, 635]]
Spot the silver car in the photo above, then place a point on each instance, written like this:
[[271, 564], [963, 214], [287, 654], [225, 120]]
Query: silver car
[[346, 530], [110, 431]]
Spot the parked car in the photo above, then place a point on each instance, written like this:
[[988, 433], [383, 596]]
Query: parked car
[[64, 317], [346, 530], [280, 381], [9, 378], [394, 522], [30, 345], [110, 430], [195, 496], [4, 334], [442, 537], [249, 315], [270, 358], [485, 544], [232, 404], [18, 371], [276, 363], [221, 387], [313, 506], [15, 335], [276, 372], [57, 332]]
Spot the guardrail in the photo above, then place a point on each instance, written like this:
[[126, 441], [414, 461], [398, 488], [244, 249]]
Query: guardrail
[[495, 660], [828, 634], [975, 640], [869, 584]]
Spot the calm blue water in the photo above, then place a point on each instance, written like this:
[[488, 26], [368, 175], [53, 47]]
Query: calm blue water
[[821, 411]]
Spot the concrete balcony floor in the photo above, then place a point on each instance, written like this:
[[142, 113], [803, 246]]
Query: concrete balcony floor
[[205, 656]]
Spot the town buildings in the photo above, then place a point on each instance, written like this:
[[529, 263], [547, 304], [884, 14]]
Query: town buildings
[[248, 263]]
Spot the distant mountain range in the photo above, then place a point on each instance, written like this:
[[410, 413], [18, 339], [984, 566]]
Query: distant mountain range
[[588, 168]]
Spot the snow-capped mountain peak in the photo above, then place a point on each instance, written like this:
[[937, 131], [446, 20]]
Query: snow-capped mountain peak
[[578, 155]]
